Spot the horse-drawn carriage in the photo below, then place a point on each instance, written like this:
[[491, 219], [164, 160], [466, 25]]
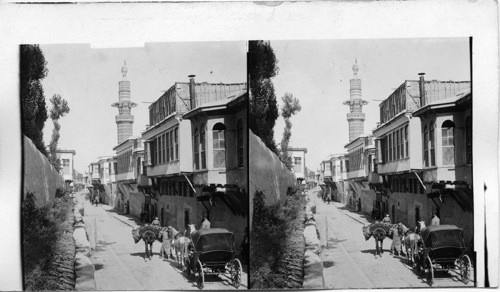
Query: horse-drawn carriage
[[213, 253], [443, 249]]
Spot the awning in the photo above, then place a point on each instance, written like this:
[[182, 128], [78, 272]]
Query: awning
[[231, 196], [463, 197], [379, 188]]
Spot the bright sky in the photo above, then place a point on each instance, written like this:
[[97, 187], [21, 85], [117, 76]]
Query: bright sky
[[88, 79], [318, 73]]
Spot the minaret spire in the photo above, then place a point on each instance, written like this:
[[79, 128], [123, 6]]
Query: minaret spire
[[124, 119], [355, 117]]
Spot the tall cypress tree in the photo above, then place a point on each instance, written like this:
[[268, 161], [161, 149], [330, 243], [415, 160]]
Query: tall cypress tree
[[34, 112], [263, 112]]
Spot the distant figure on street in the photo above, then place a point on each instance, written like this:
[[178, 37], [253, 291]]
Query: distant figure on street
[[156, 222], [96, 201], [435, 219], [386, 219], [205, 223], [329, 198]]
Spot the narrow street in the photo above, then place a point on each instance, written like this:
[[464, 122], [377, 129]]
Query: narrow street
[[119, 263], [349, 260]]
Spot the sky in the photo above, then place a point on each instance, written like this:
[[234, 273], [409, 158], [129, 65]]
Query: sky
[[318, 72], [88, 79]]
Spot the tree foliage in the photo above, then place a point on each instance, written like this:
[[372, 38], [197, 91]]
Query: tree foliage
[[291, 106], [262, 66], [58, 110], [34, 112]]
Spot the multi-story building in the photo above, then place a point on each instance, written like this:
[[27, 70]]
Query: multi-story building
[[358, 194], [126, 196], [399, 180], [219, 135], [99, 171], [298, 156], [169, 191], [447, 163], [66, 158]]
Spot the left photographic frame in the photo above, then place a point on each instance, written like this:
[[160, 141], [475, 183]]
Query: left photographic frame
[[135, 169]]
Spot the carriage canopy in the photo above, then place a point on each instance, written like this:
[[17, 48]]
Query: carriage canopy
[[439, 236], [213, 239]]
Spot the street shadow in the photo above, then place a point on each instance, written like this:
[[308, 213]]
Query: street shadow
[[98, 267], [363, 215], [141, 254], [386, 252], [129, 217], [223, 279], [328, 264]]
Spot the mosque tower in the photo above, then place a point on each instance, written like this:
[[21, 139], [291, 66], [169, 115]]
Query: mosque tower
[[124, 119], [356, 117]]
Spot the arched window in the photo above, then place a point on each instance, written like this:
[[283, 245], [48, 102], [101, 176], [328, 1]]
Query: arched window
[[196, 150], [447, 142], [203, 148], [219, 145], [239, 142], [468, 140], [426, 146], [432, 149]]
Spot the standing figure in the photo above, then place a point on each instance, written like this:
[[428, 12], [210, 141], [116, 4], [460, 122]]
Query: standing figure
[[165, 250], [205, 223], [435, 219], [396, 240], [96, 201]]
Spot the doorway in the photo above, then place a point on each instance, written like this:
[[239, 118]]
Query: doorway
[[393, 211]]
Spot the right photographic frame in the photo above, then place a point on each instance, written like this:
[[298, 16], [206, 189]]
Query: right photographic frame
[[360, 169]]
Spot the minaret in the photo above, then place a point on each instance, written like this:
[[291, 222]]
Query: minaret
[[124, 119], [356, 117]]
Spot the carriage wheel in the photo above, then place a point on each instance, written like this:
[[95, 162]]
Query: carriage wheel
[[430, 274], [465, 268], [201, 276], [236, 272]]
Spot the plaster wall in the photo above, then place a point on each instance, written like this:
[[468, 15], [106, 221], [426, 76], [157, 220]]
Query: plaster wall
[[40, 177], [266, 173]]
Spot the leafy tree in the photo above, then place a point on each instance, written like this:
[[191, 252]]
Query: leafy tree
[[290, 107], [58, 110], [34, 111], [262, 66]]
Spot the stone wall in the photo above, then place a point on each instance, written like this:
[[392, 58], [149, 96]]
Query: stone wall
[[84, 269], [266, 173], [313, 266], [40, 177]]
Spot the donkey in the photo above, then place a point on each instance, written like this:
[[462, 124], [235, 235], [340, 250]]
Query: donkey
[[148, 237]]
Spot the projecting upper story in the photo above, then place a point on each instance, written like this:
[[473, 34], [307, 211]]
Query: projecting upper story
[[185, 96], [361, 153], [399, 136], [168, 142]]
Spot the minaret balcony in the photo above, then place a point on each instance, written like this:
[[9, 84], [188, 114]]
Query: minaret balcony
[[352, 116], [124, 118]]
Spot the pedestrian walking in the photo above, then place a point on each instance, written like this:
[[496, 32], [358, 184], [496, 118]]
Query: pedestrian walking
[[96, 201]]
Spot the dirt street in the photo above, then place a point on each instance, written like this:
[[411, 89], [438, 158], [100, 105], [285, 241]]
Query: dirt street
[[349, 260], [120, 265]]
